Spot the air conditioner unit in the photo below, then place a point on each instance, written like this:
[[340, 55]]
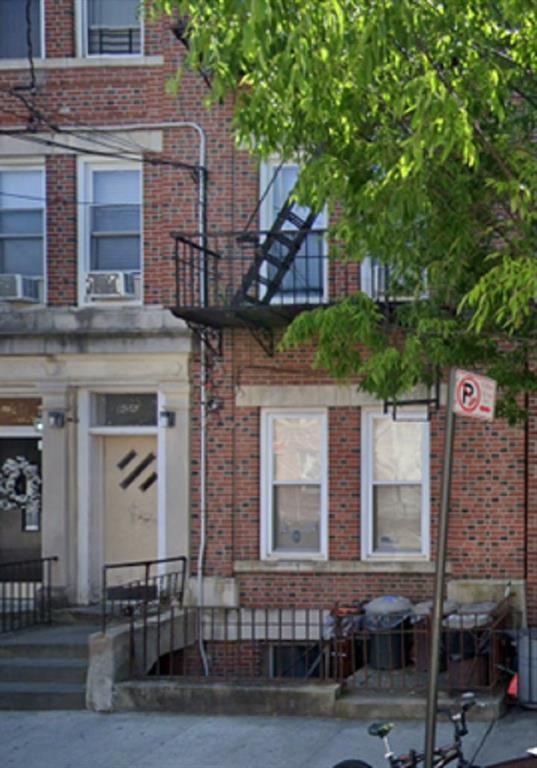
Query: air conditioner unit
[[20, 288], [111, 285]]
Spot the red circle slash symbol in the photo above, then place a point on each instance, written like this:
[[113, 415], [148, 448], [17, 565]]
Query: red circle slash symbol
[[468, 394]]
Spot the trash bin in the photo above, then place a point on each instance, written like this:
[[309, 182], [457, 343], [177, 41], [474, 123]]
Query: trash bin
[[388, 635], [527, 667], [421, 622], [468, 643]]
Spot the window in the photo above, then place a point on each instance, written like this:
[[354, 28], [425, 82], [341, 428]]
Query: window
[[125, 410], [112, 27], [305, 282], [112, 231], [395, 485], [379, 282], [14, 29], [294, 484], [22, 229]]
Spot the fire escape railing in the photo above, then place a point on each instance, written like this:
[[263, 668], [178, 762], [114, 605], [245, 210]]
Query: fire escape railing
[[244, 271]]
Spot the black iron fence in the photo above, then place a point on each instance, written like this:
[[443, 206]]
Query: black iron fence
[[230, 270], [319, 645], [137, 589], [25, 593]]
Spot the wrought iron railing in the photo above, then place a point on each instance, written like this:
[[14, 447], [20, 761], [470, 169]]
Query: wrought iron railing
[[230, 270], [135, 589], [25, 593], [319, 645]]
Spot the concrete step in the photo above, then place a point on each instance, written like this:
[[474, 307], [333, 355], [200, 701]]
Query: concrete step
[[66, 642], [38, 696], [388, 705], [85, 615], [49, 670]]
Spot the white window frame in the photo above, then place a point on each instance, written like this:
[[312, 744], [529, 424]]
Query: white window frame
[[86, 168], [267, 170], [81, 16], [17, 164], [268, 552], [367, 435], [42, 53]]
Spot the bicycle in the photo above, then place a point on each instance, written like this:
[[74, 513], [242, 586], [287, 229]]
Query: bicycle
[[442, 755]]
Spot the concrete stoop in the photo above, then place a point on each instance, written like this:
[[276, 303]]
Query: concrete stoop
[[44, 668], [314, 700]]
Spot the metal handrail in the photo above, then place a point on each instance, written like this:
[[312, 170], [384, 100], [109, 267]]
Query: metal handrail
[[144, 587]]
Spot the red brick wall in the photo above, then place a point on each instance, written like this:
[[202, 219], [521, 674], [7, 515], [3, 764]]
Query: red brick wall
[[487, 523], [487, 532], [116, 95]]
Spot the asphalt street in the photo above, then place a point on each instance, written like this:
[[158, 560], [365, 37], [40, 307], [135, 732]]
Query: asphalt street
[[153, 740]]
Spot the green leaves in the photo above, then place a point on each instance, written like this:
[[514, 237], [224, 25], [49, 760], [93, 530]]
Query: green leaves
[[427, 117]]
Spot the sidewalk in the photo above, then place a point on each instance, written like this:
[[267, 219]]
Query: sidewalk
[[89, 740]]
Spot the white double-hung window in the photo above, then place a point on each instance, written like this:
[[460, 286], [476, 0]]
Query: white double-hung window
[[395, 485], [111, 231], [294, 495], [22, 233], [112, 27], [18, 38]]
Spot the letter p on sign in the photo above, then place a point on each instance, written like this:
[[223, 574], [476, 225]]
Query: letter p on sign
[[474, 396]]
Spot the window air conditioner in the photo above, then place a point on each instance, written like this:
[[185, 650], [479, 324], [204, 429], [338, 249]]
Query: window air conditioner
[[111, 285], [20, 288]]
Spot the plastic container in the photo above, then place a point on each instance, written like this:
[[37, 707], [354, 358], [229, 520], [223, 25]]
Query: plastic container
[[387, 623], [527, 668]]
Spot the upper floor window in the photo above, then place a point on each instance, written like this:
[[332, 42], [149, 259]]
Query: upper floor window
[[111, 236], [294, 495], [112, 27], [305, 281], [22, 233], [14, 42], [395, 485]]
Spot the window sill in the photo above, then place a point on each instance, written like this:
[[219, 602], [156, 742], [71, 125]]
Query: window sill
[[335, 566], [83, 63]]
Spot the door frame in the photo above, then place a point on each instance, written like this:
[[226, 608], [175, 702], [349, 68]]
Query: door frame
[[91, 491]]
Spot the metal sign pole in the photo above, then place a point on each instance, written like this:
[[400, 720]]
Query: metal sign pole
[[441, 556]]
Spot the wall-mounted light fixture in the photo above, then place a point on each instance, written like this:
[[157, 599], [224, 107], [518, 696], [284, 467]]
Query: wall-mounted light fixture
[[38, 424], [214, 403], [56, 419], [166, 419]]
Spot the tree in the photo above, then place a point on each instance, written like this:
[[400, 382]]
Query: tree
[[416, 121]]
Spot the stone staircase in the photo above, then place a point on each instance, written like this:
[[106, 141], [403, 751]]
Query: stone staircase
[[45, 667]]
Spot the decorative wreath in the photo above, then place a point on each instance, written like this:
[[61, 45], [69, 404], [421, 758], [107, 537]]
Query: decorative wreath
[[10, 474]]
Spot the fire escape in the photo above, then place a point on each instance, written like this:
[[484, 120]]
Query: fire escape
[[258, 280]]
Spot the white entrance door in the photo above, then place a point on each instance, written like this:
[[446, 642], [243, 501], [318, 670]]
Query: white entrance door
[[130, 501]]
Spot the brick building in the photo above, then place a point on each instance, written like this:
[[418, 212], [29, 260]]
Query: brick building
[[163, 437]]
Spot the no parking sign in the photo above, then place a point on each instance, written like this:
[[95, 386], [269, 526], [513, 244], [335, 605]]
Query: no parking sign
[[474, 396]]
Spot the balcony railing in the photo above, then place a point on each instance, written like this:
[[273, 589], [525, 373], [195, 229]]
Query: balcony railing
[[233, 279]]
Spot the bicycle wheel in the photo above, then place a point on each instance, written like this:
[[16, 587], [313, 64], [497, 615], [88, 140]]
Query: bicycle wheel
[[352, 764]]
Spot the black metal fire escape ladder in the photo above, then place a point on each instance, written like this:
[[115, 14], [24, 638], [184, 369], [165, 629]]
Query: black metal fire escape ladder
[[274, 256]]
